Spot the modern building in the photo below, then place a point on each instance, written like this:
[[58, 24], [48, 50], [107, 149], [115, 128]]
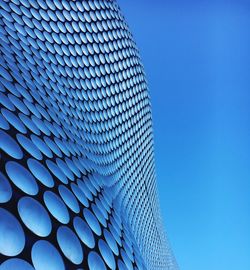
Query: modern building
[[77, 181]]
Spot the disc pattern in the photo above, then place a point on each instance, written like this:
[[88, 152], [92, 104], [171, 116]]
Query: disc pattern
[[77, 180]]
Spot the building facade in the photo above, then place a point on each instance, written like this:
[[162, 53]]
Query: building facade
[[77, 179]]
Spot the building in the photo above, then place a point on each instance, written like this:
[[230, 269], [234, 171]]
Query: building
[[77, 181]]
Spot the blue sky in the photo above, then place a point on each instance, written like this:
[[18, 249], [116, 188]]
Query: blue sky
[[197, 60]]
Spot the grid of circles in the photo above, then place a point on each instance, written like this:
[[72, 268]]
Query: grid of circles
[[77, 174]]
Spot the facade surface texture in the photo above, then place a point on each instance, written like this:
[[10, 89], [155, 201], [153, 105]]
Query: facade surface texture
[[77, 180]]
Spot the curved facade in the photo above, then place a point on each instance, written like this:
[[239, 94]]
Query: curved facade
[[77, 181]]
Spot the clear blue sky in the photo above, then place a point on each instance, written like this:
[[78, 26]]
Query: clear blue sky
[[197, 59]]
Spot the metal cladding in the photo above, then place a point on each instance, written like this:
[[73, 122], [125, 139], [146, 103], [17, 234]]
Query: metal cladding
[[77, 180]]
